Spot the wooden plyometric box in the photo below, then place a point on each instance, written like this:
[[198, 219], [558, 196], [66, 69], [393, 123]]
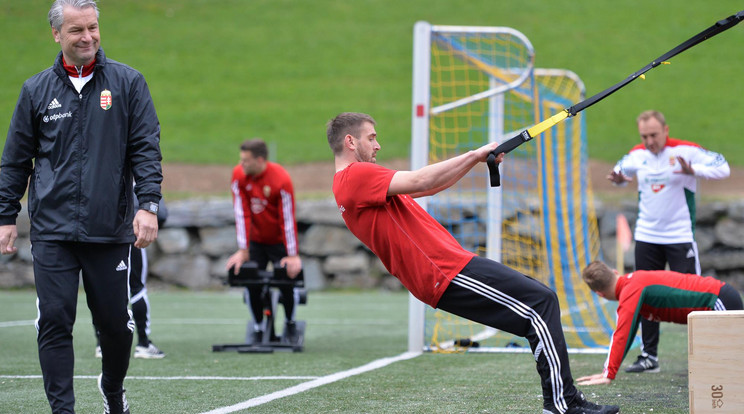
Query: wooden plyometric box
[[716, 362]]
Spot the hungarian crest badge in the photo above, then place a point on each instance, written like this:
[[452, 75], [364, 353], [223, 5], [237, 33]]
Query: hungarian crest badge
[[106, 99]]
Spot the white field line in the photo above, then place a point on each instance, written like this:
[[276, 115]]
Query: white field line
[[10, 324], [253, 402], [318, 322], [222, 321], [185, 378], [305, 386]]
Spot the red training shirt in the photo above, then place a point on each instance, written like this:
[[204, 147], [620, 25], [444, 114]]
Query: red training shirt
[[264, 207], [657, 295], [413, 246]]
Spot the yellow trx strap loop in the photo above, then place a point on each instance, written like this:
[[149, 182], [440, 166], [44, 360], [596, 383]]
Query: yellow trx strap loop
[[546, 124]]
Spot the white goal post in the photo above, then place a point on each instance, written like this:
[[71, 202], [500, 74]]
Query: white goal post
[[473, 85]]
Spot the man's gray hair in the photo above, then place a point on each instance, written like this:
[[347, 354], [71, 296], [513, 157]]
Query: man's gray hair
[[646, 115], [56, 18]]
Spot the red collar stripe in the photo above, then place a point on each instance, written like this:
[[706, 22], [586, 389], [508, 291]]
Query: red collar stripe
[[73, 70]]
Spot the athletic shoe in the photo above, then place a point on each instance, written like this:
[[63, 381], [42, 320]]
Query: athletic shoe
[[644, 364], [148, 352], [257, 338], [99, 354], [113, 403], [582, 406], [290, 331]]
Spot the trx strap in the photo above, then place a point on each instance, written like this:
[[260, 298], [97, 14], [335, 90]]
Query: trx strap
[[528, 134]]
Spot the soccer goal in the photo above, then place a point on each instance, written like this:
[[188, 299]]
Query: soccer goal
[[473, 85]]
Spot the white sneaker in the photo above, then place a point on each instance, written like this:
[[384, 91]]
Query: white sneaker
[[99, 354], [148, 352]]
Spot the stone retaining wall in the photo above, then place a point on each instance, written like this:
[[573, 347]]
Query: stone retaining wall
[[193, 247]]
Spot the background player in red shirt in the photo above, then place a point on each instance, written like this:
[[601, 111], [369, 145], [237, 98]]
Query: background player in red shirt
[[264, 206], [377, 206], [657, 295]]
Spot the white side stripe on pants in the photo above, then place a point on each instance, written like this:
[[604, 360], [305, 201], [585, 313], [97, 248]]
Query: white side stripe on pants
[[541, 328]]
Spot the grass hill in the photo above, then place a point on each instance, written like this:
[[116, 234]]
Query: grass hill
[[224, 70]]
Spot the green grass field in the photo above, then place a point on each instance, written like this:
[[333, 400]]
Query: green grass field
[[345, 331], [224, 70]]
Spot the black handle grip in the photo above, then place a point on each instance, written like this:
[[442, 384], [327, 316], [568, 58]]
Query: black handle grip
[[493, 170], [505, 147], [509, 145]]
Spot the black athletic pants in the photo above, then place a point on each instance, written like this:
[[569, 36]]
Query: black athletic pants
[[58, 267], [263, 254], [139, 300], [138, 291], [681, 257], [495, 295], [729, 298]]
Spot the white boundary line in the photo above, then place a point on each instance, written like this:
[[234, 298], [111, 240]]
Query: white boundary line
[[186, 378], [221, 321], [9, 324], [305, 386], [314, 383]]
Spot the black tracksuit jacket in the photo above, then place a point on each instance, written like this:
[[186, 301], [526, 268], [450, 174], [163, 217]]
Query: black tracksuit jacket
[[81, 152]]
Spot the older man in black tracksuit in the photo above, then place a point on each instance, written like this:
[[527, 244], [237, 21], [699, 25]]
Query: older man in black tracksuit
[[82, 131]]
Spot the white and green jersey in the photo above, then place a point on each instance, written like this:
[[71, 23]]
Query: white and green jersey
[[666, 196]]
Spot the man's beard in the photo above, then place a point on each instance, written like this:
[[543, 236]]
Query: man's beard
[[362, 157]]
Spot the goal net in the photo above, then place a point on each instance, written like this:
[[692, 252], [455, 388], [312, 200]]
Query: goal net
[[474, 85]]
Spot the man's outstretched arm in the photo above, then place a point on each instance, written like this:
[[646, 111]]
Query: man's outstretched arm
[[434, 178]]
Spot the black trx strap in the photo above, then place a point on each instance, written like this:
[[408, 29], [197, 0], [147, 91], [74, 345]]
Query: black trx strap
[[528, 134]]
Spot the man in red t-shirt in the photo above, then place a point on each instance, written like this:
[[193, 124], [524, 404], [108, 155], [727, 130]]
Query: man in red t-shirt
[[377, 206], [264, 206], [655, 295]]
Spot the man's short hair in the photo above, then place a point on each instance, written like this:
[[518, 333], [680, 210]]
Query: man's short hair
[[646, 115], [56, 16], [256, 146], [598, 276], [346, 123]]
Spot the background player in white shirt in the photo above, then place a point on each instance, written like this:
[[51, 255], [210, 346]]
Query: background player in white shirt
[[666, 170]]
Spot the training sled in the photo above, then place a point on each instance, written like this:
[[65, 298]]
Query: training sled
[[715, 361], [250, 276]]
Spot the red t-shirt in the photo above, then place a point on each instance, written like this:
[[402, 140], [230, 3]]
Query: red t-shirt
[[264, 207], [657, 295], [413, 246]]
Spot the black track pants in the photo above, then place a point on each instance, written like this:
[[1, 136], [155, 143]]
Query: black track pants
[[495, 295], [729, 298], [139, 299], [262, 254], [105, 271], [681, 257]]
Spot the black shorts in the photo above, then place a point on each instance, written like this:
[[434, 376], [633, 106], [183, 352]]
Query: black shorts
[[681, 257], [263, 254]]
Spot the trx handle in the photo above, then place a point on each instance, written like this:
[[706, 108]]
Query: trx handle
[[512, 143], [505, 147]]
